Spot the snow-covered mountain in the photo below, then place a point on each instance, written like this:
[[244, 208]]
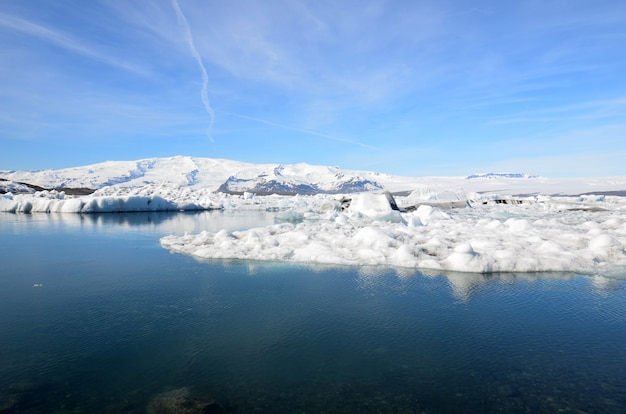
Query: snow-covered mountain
[[235, 177], [205, 173], [490, 223], [299, 179], [179, 171]]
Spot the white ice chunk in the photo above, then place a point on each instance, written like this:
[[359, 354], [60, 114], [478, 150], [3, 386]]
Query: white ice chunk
[[487, 238], [374, 206], [426, 214]]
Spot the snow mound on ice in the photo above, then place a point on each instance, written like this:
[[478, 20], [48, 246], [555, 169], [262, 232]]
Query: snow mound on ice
[[532, 237]]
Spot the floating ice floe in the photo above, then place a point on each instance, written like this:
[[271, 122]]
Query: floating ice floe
[[435, 227], [29, 204], [151, 198], [527, 237]]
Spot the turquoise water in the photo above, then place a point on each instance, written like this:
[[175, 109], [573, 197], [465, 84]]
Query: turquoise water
[[96, 317]]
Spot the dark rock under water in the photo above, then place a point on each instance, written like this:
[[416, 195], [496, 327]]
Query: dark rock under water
[[182, 401]]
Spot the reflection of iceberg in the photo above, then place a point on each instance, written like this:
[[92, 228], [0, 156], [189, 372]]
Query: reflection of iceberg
[[603, 285], [157, 222], [464, 284], [542, 234]]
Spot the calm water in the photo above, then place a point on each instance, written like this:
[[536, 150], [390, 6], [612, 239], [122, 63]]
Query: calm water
[[119, 321]]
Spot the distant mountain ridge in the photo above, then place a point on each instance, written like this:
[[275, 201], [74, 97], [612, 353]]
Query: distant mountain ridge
[[298, 179], [228, 176], [197, 175], [501, 175], [260, 185]]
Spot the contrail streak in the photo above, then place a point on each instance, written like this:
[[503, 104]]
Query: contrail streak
[[204, 94], [301, 130]]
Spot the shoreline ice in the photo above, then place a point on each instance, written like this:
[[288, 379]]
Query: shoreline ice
[[484, 224], [489, 233], [586, 235]]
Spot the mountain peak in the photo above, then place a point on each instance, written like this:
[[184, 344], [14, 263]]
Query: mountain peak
[[202, 173]]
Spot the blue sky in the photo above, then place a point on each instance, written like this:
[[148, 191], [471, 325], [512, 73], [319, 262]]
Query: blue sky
[[404, 87]]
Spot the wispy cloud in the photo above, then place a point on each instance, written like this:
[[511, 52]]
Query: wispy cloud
[[302, 130], [579, 164], [368, 78], [362, 52], [204, 94], [592, 110], [66, 41]]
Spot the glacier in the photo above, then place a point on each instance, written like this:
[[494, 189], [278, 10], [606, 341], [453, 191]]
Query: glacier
[[482, 223]]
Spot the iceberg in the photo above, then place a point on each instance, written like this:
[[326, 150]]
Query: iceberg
[[103, 204], [488, 223], [486, 238]]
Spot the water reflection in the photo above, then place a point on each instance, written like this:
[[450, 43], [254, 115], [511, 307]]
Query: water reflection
[[120, 321], [604, 285], [462, 286], [465, 285], [154, 223]]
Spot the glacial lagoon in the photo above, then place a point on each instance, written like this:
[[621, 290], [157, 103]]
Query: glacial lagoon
[[97, 317]]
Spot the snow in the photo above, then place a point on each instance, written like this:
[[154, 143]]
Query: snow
[[197, 173], [374, 206], [210, 173], [485, 238], [492, 222], [13, 187]]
